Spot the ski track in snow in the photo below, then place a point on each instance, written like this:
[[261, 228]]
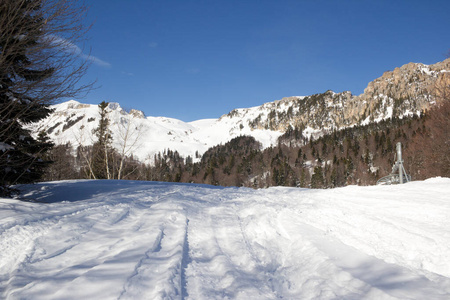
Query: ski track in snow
[[141, 240]]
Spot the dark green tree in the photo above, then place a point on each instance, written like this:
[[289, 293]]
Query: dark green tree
[[20, 160], [102, 149], [36, 69], [317, 179]]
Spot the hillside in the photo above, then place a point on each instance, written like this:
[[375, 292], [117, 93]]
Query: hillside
[[74, 122], [403, 92], [147, 240]]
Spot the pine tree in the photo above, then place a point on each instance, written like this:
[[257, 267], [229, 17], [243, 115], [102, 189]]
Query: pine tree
[[102, 149], [36, 69], [19, 151], [317, 179]]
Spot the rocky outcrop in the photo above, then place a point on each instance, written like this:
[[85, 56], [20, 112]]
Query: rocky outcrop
[[137, 113], [407, 90]]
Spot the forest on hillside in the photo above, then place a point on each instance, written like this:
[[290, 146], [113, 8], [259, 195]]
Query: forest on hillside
[[356, 155]]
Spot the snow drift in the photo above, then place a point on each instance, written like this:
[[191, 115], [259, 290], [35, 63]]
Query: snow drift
[[147, 240]]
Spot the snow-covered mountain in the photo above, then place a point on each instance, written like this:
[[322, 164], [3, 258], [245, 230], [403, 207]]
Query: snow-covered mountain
[[406, 90], [75, 122], [108, 239]]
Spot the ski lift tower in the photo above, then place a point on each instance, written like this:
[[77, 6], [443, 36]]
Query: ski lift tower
[[398, 174]]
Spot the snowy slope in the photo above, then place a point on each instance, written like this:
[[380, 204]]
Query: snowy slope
[[74, 122], [146, 240]]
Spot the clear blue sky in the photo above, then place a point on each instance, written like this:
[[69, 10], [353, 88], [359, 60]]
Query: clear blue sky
[[200, 59]]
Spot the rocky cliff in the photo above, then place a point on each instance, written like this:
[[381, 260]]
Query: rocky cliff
[[404, 91]]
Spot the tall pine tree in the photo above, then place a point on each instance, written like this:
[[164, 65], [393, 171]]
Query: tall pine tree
[[36, 69], [20, 160], [102, 149]]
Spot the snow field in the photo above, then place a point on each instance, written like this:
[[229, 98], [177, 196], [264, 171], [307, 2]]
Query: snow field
[[147, 240]]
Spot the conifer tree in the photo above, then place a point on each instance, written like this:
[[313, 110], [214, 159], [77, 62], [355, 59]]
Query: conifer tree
[[19, 161], [36, 68], [102, 148], [317, 179]]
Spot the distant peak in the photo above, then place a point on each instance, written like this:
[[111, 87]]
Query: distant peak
[[70, 103]]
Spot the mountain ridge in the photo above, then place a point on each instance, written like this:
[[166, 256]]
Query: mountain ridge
[[402, 92]]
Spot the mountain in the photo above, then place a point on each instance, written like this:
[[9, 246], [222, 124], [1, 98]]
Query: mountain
[[405, 91], [74, 122]]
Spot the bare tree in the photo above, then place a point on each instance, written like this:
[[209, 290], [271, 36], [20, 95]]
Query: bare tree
[[85, 152], [129, 132], [102, 149], [64, 164], [39, 64], [50, 45]]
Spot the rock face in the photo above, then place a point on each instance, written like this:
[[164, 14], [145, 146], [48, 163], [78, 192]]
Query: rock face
[[409, 87], [137, 113], [406, 90]]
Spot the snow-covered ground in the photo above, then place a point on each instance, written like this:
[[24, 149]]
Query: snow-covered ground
[[147, 240]]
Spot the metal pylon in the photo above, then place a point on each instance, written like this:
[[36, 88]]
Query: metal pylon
[[398, 174]]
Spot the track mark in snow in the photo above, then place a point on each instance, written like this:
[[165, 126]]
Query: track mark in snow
[[224, 263], [121, 216], [147, 255], [54, 254], [157, 244], [185, 261], [395, 280], [160, 270]]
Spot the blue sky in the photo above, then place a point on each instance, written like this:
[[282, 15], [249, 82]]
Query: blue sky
[[200, 59]]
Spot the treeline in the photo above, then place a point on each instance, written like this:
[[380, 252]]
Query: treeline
[[357, 155]]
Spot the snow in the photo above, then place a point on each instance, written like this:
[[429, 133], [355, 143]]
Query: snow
[[155, 134], [146, 240], [425, 69]]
